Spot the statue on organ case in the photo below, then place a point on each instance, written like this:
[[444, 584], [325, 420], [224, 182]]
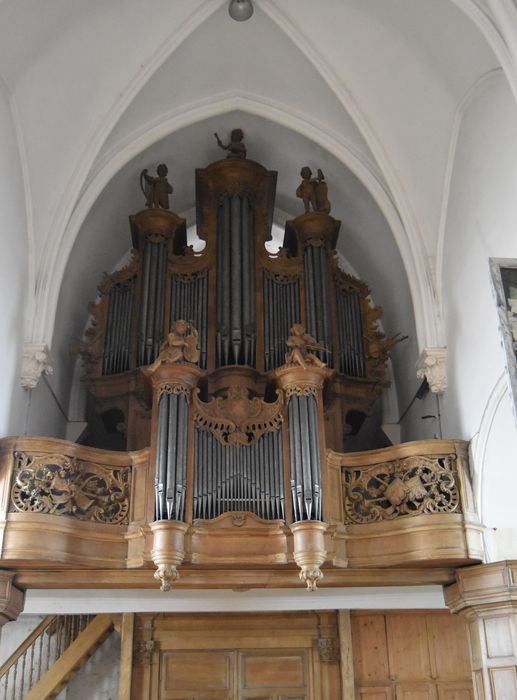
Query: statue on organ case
[[300, 343], [180, 346], [236, 148], [156, 189], [313, 191]]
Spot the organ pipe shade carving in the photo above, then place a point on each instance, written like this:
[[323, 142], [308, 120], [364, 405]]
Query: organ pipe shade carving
[[238, 478], [152, 298], [304, 448], [171, 456], [236, 332]]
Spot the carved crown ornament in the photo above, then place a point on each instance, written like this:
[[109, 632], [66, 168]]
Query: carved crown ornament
[[432, 366], [236, 419]]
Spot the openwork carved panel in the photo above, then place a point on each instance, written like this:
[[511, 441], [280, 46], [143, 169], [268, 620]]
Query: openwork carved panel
[[236, 419], [56, 484], [402, 487]]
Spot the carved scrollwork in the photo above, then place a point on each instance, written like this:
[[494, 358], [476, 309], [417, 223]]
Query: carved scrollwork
[[175, 389], [56, 484], [402, 487], [236, 419], [305, 390], [328, 648]]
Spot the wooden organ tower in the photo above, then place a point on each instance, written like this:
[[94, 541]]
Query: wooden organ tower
[[252, 361]]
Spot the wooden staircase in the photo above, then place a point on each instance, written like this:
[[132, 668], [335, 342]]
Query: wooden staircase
[[55, 651]]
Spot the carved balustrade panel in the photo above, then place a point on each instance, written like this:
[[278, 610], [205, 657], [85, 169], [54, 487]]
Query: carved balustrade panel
[[402, 487], [57, 484]]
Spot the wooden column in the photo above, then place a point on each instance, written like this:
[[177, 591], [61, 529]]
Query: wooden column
[[11, 598], [486, 596]]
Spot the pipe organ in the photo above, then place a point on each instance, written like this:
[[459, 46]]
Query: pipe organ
[[253, 361]]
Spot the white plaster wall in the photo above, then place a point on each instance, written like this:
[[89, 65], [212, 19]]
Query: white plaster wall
[[481, 222], [98, 679], [13, 272]]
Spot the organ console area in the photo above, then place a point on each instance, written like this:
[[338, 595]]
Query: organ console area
[[223, 384]]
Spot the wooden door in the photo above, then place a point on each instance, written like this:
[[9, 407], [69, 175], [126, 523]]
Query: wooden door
[[234, 675]]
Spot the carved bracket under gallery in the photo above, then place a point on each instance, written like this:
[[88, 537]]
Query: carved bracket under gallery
[[36, 362], [432, 366]]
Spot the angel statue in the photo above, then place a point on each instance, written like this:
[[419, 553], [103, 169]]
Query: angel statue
[[300, 343], [156, 189], [180, 346]]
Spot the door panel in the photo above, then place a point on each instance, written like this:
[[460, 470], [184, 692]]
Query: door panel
[[203, 675]]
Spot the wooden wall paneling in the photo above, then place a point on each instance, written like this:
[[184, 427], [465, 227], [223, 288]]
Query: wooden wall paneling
[[204, 675], [375, 693], [456, 691], [448, 647], [274, 673], [408, 648], [416, 691], [370, 648]]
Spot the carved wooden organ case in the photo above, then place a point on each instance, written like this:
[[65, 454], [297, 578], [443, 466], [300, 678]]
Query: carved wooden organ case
[[244, 428]]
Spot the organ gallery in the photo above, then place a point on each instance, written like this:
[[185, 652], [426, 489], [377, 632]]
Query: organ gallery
[[225, 381]]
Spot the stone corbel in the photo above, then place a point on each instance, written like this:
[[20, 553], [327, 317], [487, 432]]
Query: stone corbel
[[11, 598], [36, 361], [432, 366]]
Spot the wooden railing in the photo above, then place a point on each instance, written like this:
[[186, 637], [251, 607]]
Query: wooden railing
[[38, 653]]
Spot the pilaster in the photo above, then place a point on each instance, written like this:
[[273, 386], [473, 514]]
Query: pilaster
[[486, 596]]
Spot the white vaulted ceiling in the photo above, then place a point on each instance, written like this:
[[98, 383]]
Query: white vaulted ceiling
[[368, 90]]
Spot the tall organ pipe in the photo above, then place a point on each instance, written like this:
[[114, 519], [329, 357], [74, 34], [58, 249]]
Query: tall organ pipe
[[171, 457], [235, 282], [305, 458], [118, 328], [316, 296]]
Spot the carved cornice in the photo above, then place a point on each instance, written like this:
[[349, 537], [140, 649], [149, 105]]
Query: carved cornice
[[36, 362], [432, 366], [483, 587]]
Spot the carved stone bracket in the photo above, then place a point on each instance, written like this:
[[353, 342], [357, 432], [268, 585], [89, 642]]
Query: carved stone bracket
[[432, 365], [36, 362], [11, 598]]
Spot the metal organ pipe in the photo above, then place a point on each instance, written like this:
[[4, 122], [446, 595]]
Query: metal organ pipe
[[305, 458], [235, 282], [118, 328], [171, 457], [238, 478]]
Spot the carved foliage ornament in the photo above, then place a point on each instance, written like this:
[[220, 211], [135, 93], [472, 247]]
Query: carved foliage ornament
[[403, 487], [61, 485], [236, 419]]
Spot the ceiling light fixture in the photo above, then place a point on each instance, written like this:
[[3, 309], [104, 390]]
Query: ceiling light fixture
[[240, 10]]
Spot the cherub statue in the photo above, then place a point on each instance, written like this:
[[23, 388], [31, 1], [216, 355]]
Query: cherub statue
[[180, 346], [313, 191], [156, 189], [236, 147], [300, 343]]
